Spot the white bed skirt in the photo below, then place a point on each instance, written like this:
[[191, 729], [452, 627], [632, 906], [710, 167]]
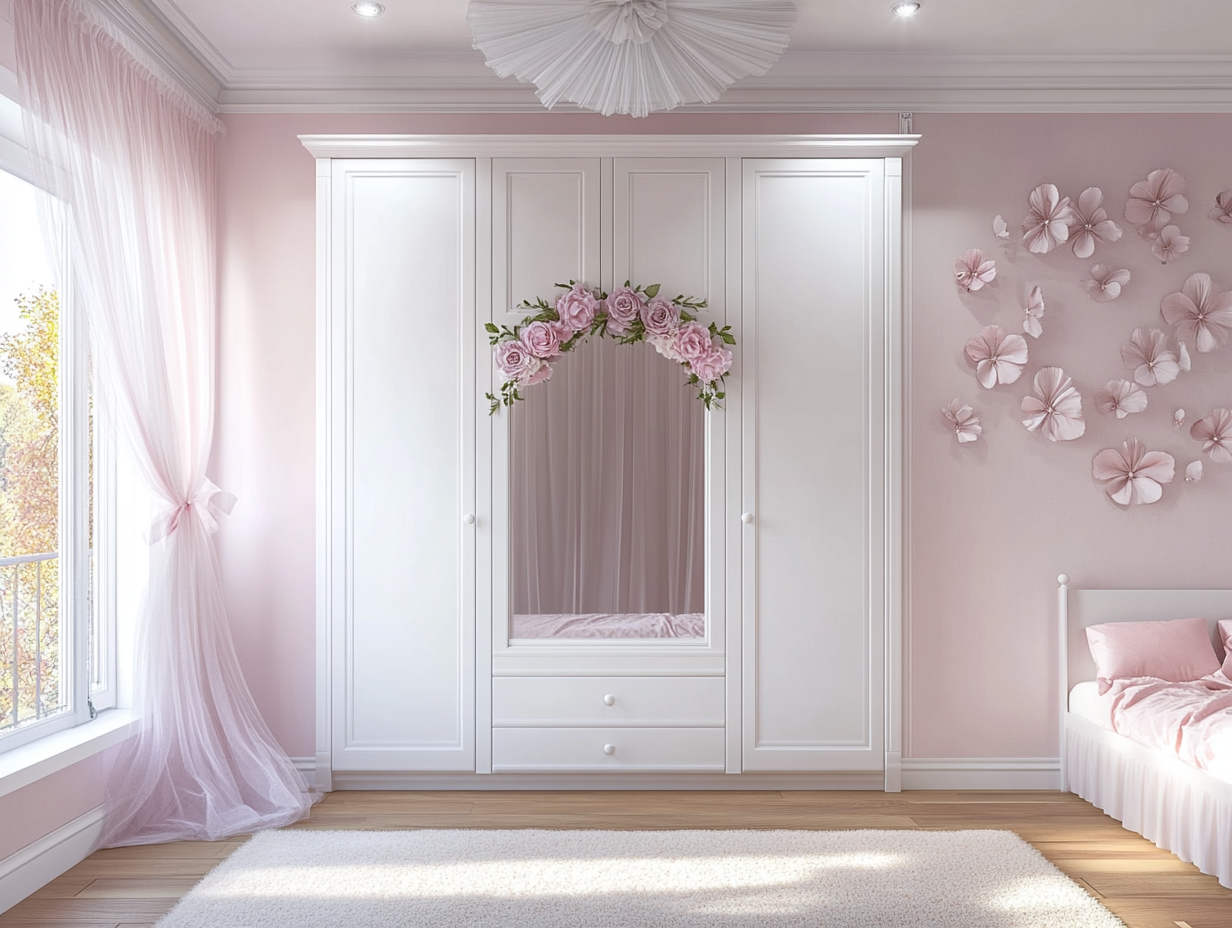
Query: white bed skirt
[[1180, 808]]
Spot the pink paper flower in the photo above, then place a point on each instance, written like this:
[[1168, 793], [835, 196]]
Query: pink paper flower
[[1193, 473], [624, 305], [1133, 474], [972, 270], [1178, 418], [713, 365], [1223, 208], [666, 346], [661, 317], [1034, 311], [692, 341], [1147, 355], [998, 356], [1169, 244], [1048, 219], [1105, 283], [999, 228], [963, 420], [577, 308], [1215, 433], [537, 372], [513, 360], [1120, 398], [541, 339], [1183, 360], [1056, 408], [1200, 315], [1091, 223], [1154, 201]]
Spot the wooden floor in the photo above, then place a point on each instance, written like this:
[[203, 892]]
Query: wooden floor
[[1146, 887]]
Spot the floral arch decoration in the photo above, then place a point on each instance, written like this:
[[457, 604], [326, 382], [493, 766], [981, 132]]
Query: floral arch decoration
[[629, 314]]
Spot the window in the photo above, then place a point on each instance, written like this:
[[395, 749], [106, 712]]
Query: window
[[56, 638]]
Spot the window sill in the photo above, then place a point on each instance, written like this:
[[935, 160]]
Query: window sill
[[22, 766]]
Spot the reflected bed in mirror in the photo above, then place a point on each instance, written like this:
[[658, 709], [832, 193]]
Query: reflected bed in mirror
[[608, 500]]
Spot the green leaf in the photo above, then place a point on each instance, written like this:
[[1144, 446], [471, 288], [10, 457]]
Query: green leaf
[[652, 291], [727, 338]]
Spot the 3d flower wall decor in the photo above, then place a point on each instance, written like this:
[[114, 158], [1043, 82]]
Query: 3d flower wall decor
[[973, 270], [1148, 356], [1154, 201], [1120, 398], [1091, 223], [1033, 312], [1199, 314], [962, 421], [1169, 244], [1223, 208], [1215, 433], [1105, 284], [1055, 408], [1133, 475], [1048, 219], [998, 356]]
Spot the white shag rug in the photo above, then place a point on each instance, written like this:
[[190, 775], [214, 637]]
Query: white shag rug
[[637, 879]]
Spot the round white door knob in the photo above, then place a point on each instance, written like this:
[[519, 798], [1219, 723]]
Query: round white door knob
[[469, 519], [747, 518], [609, 700], [609, 749]]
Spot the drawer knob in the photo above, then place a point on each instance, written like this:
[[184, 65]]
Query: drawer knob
[[609, 749], [747, 518], [609, 700], [469, 518]]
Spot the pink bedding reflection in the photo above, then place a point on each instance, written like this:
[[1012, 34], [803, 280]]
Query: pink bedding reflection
[[608, 625]]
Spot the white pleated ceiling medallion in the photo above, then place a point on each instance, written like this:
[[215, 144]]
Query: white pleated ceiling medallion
[[630, 56]]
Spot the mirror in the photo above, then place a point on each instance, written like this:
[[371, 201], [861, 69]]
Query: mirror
[[608, 499]]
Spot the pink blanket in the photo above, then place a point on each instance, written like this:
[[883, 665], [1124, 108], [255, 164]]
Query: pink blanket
[[1192, 721], [608, 625]]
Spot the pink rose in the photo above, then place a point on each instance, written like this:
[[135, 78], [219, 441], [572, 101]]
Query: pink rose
[[624, 304], [512, 359], [661, 317], [538, 372], [666, 346], [713, 365], [541, 339], [693, 341], [577, 308]]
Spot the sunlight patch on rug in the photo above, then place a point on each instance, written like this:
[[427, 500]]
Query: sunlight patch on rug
[[632, 879]]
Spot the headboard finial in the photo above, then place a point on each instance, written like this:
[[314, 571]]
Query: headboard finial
[[1063, 579]]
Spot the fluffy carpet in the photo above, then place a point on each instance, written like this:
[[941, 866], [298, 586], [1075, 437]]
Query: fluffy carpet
[[637, 879]]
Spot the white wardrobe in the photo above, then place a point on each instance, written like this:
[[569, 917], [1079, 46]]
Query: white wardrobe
[[795, 242]]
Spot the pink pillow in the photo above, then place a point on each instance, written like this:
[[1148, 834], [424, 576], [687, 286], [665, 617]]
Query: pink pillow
[[1177, 650], [1225, 635]]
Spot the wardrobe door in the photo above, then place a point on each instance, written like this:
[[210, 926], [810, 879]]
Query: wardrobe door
[[402, 468], [814, 478]]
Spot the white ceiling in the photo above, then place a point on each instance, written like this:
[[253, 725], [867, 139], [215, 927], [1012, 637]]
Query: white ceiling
[[844, 54]]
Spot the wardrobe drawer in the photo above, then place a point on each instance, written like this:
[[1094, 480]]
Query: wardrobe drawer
[[524, 749], [537, 702]]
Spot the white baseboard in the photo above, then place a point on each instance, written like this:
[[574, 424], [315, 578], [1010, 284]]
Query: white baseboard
[[615, 781], [307, 766], [982, 773], [37, 864]]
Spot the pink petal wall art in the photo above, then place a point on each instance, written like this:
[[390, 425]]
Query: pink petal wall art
[[998, 356], [1193, 473], [1201, 315], [1178, 418], [1055, 408], [1133, 475], [1120, 398], [973, 270], [1183, 360], [1215, 433], [1048, 219], [1154, 201], [1147, 355], [1091, 224], [1034, 311], [1169, 244], [1104, 284], [962, 420], [1223, 208], [999, 227]]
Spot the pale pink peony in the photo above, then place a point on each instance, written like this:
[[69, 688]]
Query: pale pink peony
[[1091, 223], [661, 317], [537, 372], [1133, 474], [1223, 208], [1048, 219], [1169, 244], [1147, 355], [1215, 433], [577, 308], [541, 339], [1034, 311], [1105, 283], [998, 357], [513, 360], [712, 365], [963, 420], [692, 341], [1056, 408], [1200, 314], [624, 305], [1120, 398], [973, 270], [1154, 201], [666, 346]]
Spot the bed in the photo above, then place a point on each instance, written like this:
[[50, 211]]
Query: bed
[[610, 625], [1180, 807]]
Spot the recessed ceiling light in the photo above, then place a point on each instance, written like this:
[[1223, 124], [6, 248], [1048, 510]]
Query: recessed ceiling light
[[905, 7], [371, 8]]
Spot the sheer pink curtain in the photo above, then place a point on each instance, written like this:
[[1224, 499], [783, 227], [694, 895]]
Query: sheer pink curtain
[[608, 490], [132, 159]]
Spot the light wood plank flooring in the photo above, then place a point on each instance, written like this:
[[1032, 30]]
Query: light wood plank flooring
[[1146, 887]]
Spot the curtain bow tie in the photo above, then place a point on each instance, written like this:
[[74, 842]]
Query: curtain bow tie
[[209, 503]]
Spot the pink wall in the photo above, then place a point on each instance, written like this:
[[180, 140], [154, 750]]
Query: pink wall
[[38, 809], [990, 525]]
